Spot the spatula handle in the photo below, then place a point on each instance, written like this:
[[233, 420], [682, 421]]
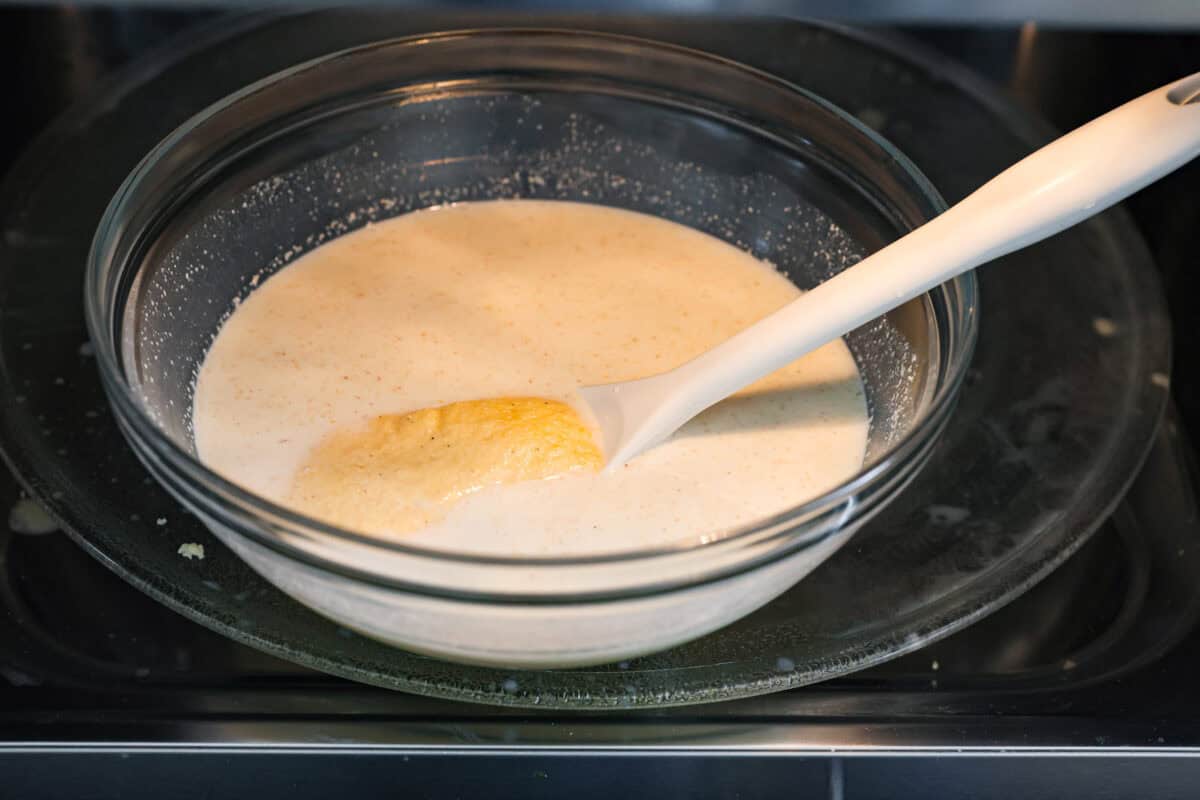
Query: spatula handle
[[1067, 181]]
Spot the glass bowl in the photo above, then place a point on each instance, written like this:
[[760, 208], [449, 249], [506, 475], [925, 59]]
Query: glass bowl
[[362, 135]]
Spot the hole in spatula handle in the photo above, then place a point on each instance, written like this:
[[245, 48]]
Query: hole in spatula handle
[[1186, 92]]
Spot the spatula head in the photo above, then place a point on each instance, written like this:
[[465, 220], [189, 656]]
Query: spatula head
[[631, 416]]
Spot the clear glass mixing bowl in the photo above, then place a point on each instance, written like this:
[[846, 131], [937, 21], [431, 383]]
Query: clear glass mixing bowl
[[328, 146]]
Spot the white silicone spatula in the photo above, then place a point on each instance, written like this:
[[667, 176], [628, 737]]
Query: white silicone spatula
[[1067, 181]]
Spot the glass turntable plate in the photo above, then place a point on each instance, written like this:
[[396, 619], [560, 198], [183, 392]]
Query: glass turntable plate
[[1068, 384]]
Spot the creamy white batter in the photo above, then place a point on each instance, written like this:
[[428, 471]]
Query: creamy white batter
[[520, 298]]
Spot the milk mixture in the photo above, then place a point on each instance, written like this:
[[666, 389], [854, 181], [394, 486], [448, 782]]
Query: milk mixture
[[313, 377]]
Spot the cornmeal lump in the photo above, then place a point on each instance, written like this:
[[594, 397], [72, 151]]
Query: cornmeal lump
[[403, 471]]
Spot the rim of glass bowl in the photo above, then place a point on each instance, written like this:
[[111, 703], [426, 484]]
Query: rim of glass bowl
[[189, 476]]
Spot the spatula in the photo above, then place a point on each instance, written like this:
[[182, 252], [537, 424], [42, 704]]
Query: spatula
[[1067, 181]]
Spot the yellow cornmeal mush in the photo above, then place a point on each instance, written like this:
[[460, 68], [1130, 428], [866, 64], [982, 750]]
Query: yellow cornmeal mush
[[404, 471]]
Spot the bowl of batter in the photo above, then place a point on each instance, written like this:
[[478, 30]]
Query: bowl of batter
[[343, 315]]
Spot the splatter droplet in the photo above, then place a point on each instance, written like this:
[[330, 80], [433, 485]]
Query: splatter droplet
[[28, 517], [190, 550], [1103, 326]]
